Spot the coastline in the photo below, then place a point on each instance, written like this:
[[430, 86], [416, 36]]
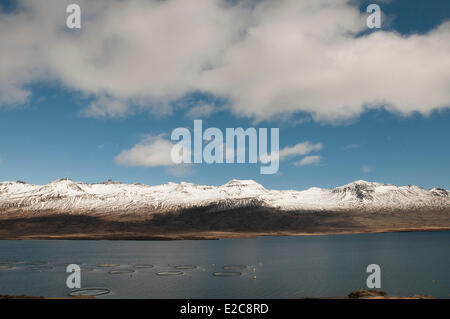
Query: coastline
[[357, 294], [217, 235]]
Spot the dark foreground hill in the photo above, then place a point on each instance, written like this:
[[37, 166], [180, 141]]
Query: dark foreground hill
[[201, 223]]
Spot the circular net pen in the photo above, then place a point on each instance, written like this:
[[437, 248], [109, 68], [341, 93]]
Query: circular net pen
[[185, 267], [108, 265], [143, 266], [121, 271], [227, 273], [89, 292], [170, 273]]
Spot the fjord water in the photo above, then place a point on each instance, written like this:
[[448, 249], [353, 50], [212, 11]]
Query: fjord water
[[277, 267]]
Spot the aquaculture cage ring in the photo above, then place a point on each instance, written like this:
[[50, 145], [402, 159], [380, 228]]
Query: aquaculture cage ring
[[108, 265], [227, 273], [185, 267], [143, 266], [170, 273], [89, 292], [121, 271]]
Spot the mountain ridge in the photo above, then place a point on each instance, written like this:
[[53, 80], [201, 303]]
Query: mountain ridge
[[64, 209], [68, 196]]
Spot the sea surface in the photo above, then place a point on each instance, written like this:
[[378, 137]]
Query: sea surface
[[264, 267]]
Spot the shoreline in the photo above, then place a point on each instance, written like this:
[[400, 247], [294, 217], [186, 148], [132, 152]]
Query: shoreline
[[357, 294], [217, 235]]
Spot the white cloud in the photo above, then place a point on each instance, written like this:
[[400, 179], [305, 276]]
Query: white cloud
[[304, 56], [152, 151], [201, 110], [299, 149], [308, 160], [270, 58], [105, 106]]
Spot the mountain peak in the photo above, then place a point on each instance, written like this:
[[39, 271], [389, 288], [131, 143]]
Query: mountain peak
[[361, 183], [61, 180], [360, 189], [245, 182], [110, 182]]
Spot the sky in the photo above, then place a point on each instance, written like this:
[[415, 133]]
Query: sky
[[350, 103]]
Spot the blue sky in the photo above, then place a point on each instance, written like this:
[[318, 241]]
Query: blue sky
[[50, 135]]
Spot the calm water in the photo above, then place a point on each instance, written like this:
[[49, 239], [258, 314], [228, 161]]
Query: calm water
[[285, 267]]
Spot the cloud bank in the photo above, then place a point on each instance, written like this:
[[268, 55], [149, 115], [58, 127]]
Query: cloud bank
[[299, 149], [155, 151], [308, 160], [267, 58], [151, 152]]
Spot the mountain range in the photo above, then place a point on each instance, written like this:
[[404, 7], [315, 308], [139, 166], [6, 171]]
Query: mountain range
[[113, 210], [66, 196]]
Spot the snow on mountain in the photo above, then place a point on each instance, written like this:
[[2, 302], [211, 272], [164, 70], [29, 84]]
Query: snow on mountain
[[66, 196]]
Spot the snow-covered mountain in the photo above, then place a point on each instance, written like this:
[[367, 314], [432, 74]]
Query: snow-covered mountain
[[66, 196]]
